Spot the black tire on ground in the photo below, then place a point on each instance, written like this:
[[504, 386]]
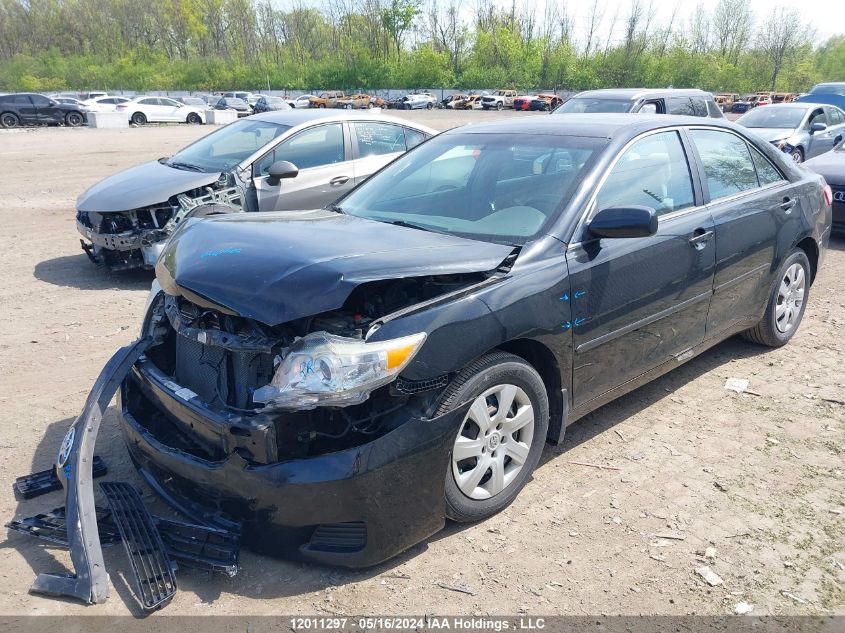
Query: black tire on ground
[[9, 119], [322, 105], [766, 331], [194, 119], [429, 106], [139, 118], [472, 381], [798, 155], [73, 119], [499, 105], [369, 105]]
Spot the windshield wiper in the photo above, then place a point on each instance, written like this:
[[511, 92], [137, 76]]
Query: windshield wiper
[[187, 166], [411, 225], [336, 208]]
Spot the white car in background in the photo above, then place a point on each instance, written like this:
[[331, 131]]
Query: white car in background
[[142, 110], [103, 104], [302, 101]]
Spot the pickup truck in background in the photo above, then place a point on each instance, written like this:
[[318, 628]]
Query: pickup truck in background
[[499, 99], [327, 99]]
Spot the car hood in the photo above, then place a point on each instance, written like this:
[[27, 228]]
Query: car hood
[[831, 166], [141, 186], [278, 267], [772, 133]]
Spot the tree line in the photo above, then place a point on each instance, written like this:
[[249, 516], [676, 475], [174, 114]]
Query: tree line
[[203, 45]]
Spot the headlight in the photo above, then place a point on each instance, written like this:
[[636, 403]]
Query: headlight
[[322, 369]]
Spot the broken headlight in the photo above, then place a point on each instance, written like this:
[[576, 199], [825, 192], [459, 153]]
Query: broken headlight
[[323, 369]]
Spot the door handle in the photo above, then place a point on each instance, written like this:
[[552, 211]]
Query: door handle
[[700, 237], [787, 204], [339, 180]]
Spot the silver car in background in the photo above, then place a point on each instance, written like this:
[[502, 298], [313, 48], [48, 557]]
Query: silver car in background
[[801, 129], [276, 161]]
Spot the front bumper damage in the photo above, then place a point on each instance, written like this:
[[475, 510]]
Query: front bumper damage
[[124, 240], [351, 508]]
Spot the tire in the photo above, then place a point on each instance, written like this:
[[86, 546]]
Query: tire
[[349, 106], [138, 118], [9, 119], [73, 119], [369, 105], [484, 381], [776, 330], [322, 105], [194, 119], [797, 155], [499, 105], [429, 106]]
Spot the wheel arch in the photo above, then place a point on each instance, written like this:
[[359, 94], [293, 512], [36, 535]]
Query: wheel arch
[[543, 360], [811, 249]]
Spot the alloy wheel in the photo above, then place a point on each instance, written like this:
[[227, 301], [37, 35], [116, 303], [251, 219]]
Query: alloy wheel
[[494, 441], [790, 298], [797, 156], [9, 120], [74, 119]]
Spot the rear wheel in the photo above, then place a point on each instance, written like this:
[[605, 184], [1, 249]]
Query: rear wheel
[[322, 105], [787, 302], [194, 118], [139, 118], [501, 437], [8, 119], [73, 119], [369, 105]]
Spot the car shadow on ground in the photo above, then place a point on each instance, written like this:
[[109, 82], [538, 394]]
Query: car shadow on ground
[[264, 577], [77, 271]]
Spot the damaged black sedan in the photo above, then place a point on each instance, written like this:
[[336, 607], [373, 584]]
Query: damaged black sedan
[[341, 381]]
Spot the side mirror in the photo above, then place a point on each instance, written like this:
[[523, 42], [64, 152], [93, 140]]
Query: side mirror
[[280, 170], [817, 127], [632, 221]]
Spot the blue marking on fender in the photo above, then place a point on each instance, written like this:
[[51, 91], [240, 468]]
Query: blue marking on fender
[[579, 321], [66, 470], [579, 293], [565, 297], [224, 251], [566, 325]]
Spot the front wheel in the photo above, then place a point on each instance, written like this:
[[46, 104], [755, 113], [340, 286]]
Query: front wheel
[[499, 440], [73, 119], [499, 106], [787, 302], [797, 155], [429, 106]]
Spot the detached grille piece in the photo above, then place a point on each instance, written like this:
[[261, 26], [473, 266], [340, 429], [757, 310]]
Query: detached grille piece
[[339, 537], [45, 481], [154, 573], [411, 387]]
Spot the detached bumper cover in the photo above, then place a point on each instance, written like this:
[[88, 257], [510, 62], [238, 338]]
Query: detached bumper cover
[[74, 469], [352, 508]]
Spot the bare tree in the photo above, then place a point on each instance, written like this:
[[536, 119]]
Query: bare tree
[[731, 26], [780, 37], [594, 19]]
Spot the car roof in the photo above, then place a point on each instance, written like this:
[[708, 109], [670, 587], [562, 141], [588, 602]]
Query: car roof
[[298, 117], [642, 93], [804, 105], [590, 125]]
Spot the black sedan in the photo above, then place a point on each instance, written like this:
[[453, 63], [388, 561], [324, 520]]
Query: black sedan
[[269, 103], [26, 108], [233, 103], [831, 165], [341, 381]]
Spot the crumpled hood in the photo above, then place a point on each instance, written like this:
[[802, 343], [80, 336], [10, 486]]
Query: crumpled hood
[[141, 186], [772, 133], [277, 267], [830, 165]]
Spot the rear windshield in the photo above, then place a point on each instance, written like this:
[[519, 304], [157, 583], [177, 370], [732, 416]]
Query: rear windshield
[[591, 104]]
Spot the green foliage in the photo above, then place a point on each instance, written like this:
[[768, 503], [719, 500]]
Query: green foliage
[[208, 45]]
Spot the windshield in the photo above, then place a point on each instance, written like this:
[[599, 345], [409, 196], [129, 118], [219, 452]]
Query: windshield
[[228, 146], [773, 117], [500, 188], [591, 104]]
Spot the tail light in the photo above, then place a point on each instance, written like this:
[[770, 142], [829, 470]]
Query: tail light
[[121, 106], [827, 193]]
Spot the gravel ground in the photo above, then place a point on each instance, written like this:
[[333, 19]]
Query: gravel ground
[[751, 486]]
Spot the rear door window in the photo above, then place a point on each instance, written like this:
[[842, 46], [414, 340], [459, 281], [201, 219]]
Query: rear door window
[[375, 139], [679, 105], [699, 106], [766, 172], [728, 166]]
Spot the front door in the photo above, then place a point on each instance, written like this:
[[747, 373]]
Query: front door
[[323, 155], [640, 302]]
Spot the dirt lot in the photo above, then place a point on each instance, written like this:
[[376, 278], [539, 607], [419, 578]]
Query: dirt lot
[[751, 485]]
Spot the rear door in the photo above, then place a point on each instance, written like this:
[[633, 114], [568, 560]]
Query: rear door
[[638, 303], [46, 110], [750, 200], [835, 125], [376, 143], [26, 110], [323, 155], [172, 110]]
